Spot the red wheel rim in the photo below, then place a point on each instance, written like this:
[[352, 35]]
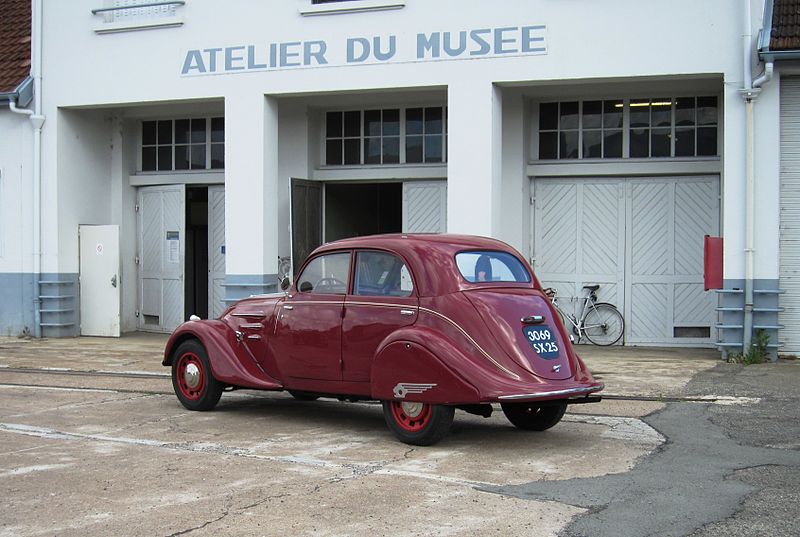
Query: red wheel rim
[[191, 376], [411, 417]]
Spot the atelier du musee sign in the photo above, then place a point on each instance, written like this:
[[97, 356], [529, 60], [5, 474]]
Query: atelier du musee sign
[[430, 46]]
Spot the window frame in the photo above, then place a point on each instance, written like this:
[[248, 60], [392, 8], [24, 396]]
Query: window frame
[[208, 144], [483, 251], [354, 267], [313, 291]]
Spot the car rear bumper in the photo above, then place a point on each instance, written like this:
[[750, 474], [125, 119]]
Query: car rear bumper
[[551, 394]]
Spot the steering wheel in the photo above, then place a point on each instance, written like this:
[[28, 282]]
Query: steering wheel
[[329, 282]]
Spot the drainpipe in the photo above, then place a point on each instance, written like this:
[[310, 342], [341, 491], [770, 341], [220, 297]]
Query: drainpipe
[[37, 120]]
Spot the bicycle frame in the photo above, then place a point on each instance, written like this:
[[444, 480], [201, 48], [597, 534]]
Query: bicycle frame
[[578, 322]]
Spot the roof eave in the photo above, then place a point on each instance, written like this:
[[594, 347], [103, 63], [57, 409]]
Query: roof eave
[[22, 94]]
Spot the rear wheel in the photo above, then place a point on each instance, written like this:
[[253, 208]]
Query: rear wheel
[[603, 324], [194, 384], [418, 424], [533, 417]]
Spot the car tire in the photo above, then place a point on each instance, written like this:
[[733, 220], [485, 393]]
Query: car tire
[[533, 417], [418, 424], [192, 378], [303, 396]]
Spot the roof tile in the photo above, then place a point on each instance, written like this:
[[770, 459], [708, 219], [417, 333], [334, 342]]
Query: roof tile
[[15, 43], [785, 34]]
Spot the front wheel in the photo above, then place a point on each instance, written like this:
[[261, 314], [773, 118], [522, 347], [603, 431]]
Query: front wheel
[[603, 324], [194, 384], [533, 417], [418, 424]]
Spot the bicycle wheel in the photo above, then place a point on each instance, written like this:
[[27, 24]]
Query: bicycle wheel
[[603, 324]]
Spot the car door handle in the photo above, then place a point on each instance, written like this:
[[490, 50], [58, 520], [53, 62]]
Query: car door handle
[[288, 307], [406, 312]]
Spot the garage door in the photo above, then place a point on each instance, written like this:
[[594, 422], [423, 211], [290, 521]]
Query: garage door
[[641, 239], [790, 215]]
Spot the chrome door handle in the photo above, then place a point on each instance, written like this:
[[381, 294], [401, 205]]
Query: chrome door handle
[[288, 307], [406, 312]]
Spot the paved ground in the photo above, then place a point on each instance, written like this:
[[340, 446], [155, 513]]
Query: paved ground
[[93, 442]]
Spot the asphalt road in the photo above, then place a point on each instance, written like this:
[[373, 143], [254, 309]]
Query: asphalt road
[[104, 454]]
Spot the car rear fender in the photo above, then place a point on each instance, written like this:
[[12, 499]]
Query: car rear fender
[[415, 365], [230, 362]]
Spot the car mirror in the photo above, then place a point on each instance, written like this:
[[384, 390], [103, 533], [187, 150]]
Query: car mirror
[[305, 287], [285, 284]]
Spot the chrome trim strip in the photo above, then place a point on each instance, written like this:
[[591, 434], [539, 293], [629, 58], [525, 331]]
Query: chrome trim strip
[[554, 393], [252, 326], [249, 314], [486, 354], [253, 336]]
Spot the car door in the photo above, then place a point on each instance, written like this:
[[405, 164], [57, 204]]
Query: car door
[[382, 299], [308, 329]]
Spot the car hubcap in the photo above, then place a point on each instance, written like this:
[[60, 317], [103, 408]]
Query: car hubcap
[[411, 416], [191, 376]]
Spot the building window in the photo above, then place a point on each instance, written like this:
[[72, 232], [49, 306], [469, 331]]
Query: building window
[[183, 144], [385, 136], [652, 128]]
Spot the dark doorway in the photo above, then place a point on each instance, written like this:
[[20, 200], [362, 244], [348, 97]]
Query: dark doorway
[[196, 280], [355, 210]]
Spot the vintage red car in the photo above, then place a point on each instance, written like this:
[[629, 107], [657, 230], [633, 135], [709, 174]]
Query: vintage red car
[[426, 324]]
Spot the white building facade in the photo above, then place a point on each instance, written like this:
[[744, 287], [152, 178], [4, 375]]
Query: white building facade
[[193, 151]]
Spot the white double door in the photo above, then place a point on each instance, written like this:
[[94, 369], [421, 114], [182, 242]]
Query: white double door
[[161, 224], [641, 240]]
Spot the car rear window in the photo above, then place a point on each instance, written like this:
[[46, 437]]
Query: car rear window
[[491, 266]]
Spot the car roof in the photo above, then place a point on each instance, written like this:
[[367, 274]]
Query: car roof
[[430, 256]]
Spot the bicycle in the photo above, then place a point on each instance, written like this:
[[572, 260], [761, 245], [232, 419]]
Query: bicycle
[[600, 322]]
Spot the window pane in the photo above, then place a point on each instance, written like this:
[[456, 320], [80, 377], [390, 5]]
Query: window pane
[[491, 266], [433, 120], [372, 123], [684, 111], [684, 142], [612, 144], [592, 144], [352, 151], [148, 159], [568, 118], [148, 132], [198, 157], [333, 124], [592, 114], [381, 274], [548, 116], [352, 123], [372, 150], [217, 156], [414, 121], [391, 122], [198, 131], [414, 148], [659, 143], [165, 157], [218, 129], [165, 132], [391, 150], [706, 141], [612, 114], [640, 113], [640, 143], [181, 157], [569, 145], [707, 111], [326, 274], [333, 152], [181, 131], [661, 112], [433, 148], [548, 145]]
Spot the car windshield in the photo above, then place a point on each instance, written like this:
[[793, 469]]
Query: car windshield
[[491, 266]]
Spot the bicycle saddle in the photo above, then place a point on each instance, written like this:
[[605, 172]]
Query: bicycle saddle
[[591, 287]]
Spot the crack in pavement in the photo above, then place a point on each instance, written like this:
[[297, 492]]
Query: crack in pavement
[[682, 486]]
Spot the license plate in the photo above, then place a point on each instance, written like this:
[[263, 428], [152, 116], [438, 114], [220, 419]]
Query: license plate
[[543, 341]]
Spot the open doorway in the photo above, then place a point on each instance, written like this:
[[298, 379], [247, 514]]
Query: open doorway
[[196, 260], [354, 210]]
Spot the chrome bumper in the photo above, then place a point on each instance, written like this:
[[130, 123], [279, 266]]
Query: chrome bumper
[[552, 394]]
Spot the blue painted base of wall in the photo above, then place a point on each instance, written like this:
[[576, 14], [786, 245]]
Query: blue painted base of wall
[[765, 315], [59, 304], [239, 286]]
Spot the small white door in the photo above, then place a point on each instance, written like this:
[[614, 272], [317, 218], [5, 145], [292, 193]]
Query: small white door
[[99, 280], [162, 240], [425, 207], [216, 250]]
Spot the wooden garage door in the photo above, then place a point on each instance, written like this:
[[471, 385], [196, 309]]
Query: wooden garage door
[[641, 239], [790, 216]]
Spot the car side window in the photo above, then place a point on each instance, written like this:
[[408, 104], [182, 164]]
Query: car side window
[[381, 274], [327, 274]]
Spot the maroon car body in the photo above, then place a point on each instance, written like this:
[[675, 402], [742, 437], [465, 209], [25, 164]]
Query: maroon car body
[[400, 319]]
